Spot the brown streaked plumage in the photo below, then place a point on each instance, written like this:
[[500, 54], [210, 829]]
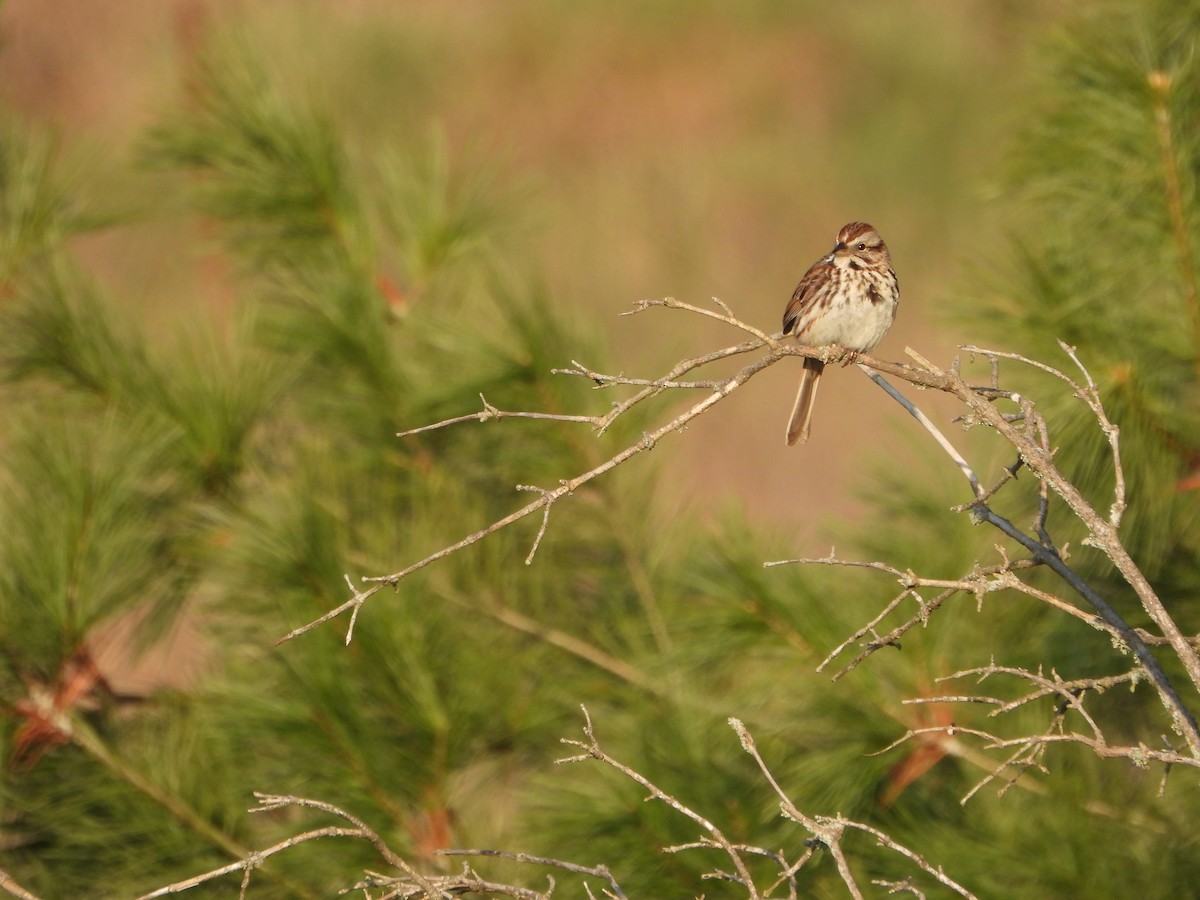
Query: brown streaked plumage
[[847, 298]]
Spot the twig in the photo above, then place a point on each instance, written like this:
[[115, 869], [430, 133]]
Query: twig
[[1183, 717], [11, 887], [545, 520], [357, 599], [787, 870], [726, 315], [1091, 396], [271, 802], [897, 887], [490, 412], [600, 871], [981, 580], [448, 886], [605, 381], [659, 385], [252, 861], [1141, 755], [928, 425], [829, 831], [591, 750]]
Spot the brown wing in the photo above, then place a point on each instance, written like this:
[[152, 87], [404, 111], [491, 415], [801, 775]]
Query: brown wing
[[808, 293]]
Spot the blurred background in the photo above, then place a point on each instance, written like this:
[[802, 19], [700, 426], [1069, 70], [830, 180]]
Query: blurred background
[[646, 150], [243, 244]]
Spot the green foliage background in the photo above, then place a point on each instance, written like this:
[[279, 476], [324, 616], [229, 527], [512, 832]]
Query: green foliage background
[[221, 474]]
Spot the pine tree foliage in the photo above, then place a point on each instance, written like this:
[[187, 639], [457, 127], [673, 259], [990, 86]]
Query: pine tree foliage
[[1106, 170], [226, 479]]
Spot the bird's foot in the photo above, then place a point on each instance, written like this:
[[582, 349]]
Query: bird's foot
[[846, 357]]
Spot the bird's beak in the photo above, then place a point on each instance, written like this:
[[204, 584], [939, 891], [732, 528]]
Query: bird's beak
[[839, 249]]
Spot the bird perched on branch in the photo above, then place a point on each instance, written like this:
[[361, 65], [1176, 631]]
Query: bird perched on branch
[[847, 298]]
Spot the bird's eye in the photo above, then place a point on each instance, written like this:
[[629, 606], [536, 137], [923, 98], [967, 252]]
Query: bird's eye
[[862, 246]]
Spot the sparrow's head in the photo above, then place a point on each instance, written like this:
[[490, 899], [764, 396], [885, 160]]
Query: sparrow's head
[[859, 245]]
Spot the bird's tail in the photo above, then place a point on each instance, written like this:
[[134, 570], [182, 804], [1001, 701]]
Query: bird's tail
[[797, 432]]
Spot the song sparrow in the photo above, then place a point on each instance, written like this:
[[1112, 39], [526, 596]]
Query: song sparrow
[[847, 298]]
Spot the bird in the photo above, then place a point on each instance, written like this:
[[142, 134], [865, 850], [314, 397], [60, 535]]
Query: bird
[[847, 298]]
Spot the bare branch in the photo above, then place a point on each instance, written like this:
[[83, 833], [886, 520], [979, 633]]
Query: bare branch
[[993, 355], [1184, 720], [899, 887], [830, 831], [446, 887], [605, 381], [980, 581], [11, 887], [1102, 531], [592, 750], [1091, 396], [268, 802], [1029, 748], [545, 519], [354, 604], [1139, 755], [928, 425], [251, 862], [725, 316], [600, 871], [490, 412]]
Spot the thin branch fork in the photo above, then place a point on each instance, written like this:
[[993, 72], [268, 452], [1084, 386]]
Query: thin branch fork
[[1102, 531], [251, 862], [490, 412], [600, 871], [980, 581], [1035, 453], [1141, 755], [411, 885], [1070, 692], [830, 830], [1029, 748], [446, 887], [592, 750]]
